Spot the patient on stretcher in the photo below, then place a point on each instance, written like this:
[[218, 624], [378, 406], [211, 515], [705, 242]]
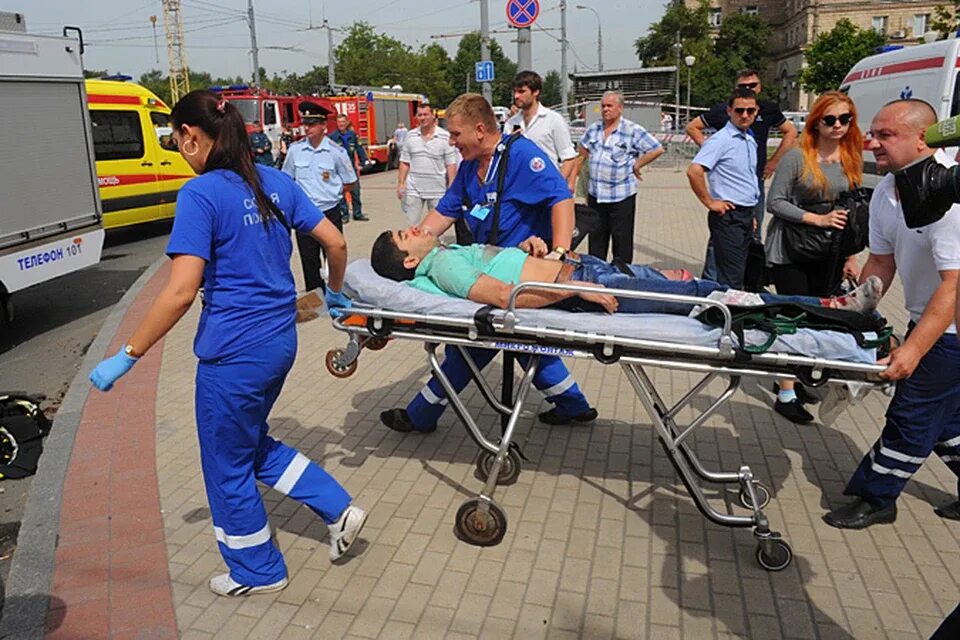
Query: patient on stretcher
[[486, 274]]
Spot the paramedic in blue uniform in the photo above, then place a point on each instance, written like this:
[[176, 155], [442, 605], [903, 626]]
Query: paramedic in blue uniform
[[347, 139], [924, 415], [324, 171], [231, 237], [535, 203]]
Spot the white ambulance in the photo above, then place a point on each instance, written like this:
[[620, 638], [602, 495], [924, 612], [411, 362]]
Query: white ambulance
[[927, 72]]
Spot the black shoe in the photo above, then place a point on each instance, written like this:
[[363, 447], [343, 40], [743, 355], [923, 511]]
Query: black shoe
[[557, 417], [860, 514], [399, 420], [361, 218], [950, 511], [793, 411], [804, 395], [345, 219]]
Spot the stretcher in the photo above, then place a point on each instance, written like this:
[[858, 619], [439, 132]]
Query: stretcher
[[385, 310]]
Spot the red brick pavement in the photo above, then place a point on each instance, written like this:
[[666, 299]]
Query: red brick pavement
[[111, 578]]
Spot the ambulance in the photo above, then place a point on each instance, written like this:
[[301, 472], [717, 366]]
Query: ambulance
[[926, 71], [139, 169]]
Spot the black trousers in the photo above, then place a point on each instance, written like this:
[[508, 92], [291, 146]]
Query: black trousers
[[730, 235], [616, 220], [808, 279], [310, 252]]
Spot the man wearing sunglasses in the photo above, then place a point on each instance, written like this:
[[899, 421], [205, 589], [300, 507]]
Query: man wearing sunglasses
[[730, 156], [769, 117]]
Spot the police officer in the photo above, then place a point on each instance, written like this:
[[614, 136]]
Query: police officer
[[346, 138], [231, 235], [535, 203], [324, 171]]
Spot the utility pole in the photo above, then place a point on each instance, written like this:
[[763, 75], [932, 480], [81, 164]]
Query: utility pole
[[331, 63], [524, 50], [257, 80], [563, 59], [485, 46], [676, 105]]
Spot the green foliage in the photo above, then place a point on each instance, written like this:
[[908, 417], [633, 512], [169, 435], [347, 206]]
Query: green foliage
[[368, 58], [833, 53], [945, 20], [550, 95], [657, 48], [462, 69]]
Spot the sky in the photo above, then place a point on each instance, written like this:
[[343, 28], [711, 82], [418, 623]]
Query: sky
[[120, 37]]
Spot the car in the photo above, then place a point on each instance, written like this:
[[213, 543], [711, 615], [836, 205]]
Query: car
[[577, 128]]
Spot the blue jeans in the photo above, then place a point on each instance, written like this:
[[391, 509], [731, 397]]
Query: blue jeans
[[647, 279], [923, 417]]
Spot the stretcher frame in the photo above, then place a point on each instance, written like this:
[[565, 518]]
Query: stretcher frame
[[481, 521]]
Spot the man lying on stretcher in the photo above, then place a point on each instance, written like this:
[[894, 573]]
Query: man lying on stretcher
[[486, 274]]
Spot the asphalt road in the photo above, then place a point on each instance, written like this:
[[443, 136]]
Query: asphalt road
[[53, 326]]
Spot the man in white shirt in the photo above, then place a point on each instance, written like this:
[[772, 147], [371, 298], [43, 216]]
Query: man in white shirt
[[428, 164], [545, 127], [924, 415]]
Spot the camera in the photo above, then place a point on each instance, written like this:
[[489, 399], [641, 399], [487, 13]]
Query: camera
[[927, 190]]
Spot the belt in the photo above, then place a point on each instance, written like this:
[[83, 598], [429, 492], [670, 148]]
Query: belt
[[567, 270]]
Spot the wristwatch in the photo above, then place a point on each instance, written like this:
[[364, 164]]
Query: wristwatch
[[130, 351], [558, 253]]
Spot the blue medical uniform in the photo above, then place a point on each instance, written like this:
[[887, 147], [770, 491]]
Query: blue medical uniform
[[532, 185], [246, 343]]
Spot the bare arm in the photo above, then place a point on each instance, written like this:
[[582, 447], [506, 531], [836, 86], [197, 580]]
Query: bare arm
[[566, 169], [697, 175], [562, 220], [882, 266], [695, 130], [646, 159], [402, 173], [334, 245], [575, 169], [488, 290], [436, 222], [186, 274], [451, 173], [789, 132]]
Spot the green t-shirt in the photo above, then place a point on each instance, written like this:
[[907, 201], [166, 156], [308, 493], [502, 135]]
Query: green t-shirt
[[453, 270]]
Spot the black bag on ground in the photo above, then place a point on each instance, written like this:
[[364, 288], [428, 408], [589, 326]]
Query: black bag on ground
[[587, 221], [22, 428], [757, 275], [784, 318]]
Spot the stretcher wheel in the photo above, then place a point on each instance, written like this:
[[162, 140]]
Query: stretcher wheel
[[509, 470], [778, 558], [375, 344], [763, 495], [478, 528], [336, 368]]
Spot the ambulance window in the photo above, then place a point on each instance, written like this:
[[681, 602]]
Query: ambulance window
[[116, 135], [955, 105], [161, 127], [269, 113]]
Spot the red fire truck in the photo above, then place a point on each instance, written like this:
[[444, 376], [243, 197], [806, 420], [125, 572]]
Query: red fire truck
[[272, 111], [375, 114]]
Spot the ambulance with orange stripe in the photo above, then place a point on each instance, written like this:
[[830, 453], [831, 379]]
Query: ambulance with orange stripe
[[927, 71], [138, 167]]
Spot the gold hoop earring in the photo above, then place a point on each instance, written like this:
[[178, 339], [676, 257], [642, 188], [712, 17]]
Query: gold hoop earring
[[196, 148]]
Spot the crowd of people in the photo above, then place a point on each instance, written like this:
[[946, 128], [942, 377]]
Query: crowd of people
[[508, 189]]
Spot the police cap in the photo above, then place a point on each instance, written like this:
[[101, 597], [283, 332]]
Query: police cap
[[311, 112]]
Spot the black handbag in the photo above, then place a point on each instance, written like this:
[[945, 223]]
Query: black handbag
[[807, 243], [757, 275], [856, 235]]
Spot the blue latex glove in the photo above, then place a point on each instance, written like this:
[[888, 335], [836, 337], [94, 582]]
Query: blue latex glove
[[110, 370], [336, 303]]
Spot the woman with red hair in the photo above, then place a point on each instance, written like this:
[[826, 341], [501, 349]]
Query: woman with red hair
[[805, 187]]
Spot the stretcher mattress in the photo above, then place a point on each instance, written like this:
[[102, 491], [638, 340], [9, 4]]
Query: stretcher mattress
[[363, 284]]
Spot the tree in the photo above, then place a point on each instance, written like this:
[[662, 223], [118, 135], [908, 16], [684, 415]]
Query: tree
[[430, 75], [462, 69], [832, 54], [946, 20], [741, 43], [550, 95], [657, 48], [372, 59]]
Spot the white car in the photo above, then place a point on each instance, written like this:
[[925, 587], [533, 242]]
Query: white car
[[577, 129]]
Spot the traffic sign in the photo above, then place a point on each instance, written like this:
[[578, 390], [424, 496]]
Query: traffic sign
[[522, 13], [484, 71]]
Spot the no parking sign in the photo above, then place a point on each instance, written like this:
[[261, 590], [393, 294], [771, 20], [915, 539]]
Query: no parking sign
[[522, 13]]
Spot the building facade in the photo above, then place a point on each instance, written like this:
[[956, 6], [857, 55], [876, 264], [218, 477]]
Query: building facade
[[795, 23]]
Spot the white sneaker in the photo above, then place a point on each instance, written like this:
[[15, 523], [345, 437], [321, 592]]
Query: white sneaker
[[224, 585], [345, 530]]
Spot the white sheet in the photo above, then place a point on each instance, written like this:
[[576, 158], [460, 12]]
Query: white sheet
[[364, 284]]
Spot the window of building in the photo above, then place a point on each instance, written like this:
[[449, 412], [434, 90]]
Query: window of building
[[116, 135], [920, 24], [750, 10], [880, 24], [715, 17]]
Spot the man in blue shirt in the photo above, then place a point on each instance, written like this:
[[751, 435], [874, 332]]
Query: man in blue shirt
[[730, 156], [262, 147], [346, 138], [324, 172], [534, 201]]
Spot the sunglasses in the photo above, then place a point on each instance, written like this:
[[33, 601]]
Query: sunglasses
[[745, 110], [844, 119], [747, 85]]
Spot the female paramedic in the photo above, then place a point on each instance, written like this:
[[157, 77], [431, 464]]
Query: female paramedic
[[231, 235]]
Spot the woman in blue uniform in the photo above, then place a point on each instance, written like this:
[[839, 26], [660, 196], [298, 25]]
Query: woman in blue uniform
[[231, 235]]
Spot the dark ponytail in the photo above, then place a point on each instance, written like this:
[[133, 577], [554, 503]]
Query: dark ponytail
[[231, 146]]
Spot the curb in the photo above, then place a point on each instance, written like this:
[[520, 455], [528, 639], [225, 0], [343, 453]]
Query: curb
[[31, 573]]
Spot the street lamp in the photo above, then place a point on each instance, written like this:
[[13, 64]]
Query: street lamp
[[689, 60], [599, 36]]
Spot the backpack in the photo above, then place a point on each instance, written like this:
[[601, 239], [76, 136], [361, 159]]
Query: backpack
[[22, 428]]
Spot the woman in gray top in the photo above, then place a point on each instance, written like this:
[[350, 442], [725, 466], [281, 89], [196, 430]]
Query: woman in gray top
[[829, 160]]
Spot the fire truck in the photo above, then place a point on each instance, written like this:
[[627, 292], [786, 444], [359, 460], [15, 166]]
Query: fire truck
[[375, 114], [272, 111]]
